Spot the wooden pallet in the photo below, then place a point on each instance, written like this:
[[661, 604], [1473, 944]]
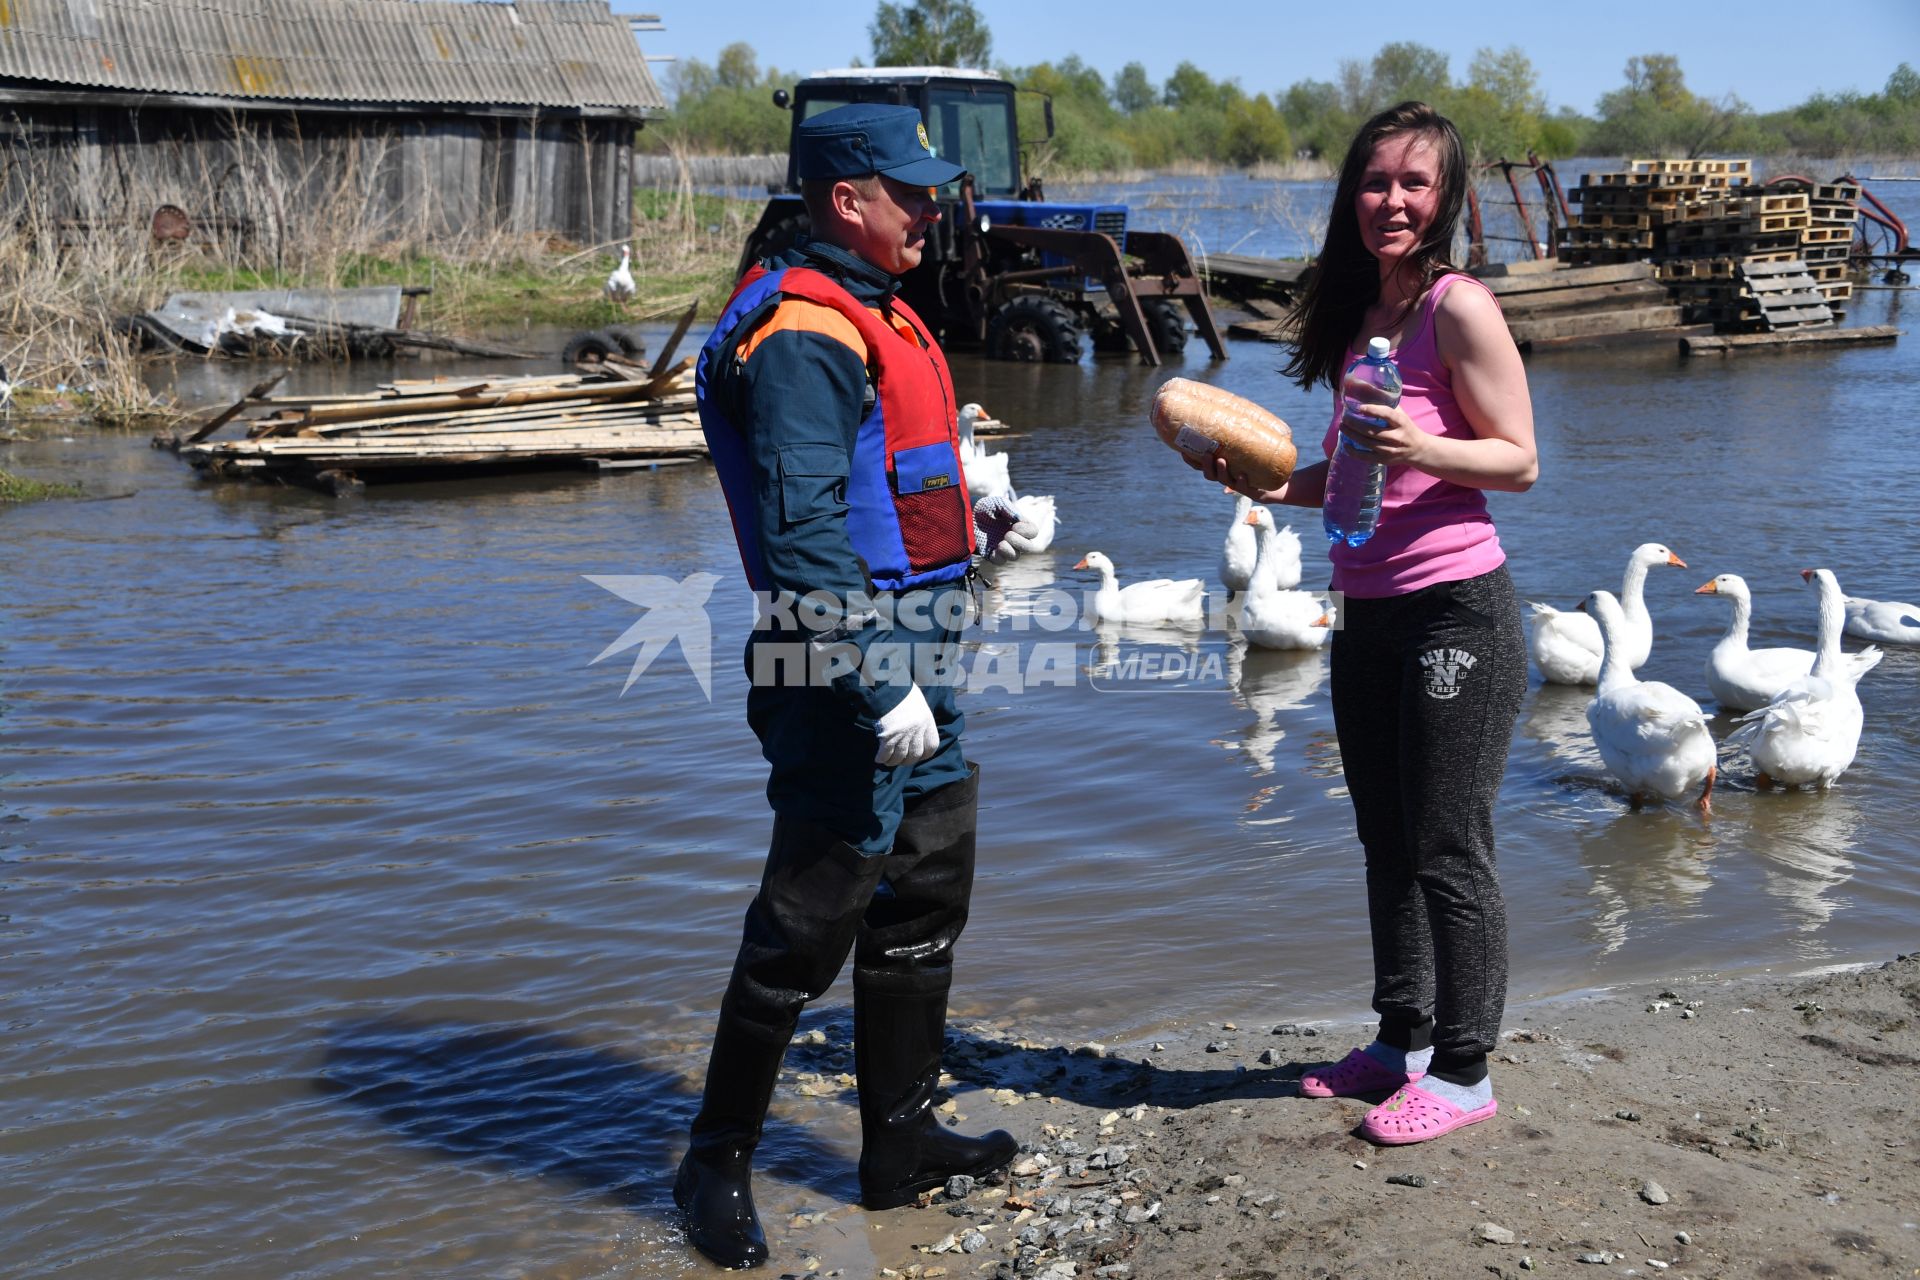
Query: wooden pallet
[[1827, 235], [1639, 179], [1720, 228], [1600, 257], [1836, 290], [1610, 219], [1605, 238], [1729, 170], [1635, 197], [1776, 245], [1782, 295], [1742, 208], [1831, 252]]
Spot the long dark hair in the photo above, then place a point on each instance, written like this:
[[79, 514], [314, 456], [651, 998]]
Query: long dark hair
[[1347, 280]]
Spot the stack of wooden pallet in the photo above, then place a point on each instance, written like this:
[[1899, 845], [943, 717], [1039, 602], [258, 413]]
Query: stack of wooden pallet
[[1713, 252], [1624, 215], [1706, 227], [618, 416], [1833, 210]]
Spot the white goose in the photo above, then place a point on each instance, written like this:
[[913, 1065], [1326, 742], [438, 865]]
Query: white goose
[[986, 472], [1809, 732], [620, 286], [1740, 678], [1651, 736], [1566, 646], [1157, 600], [1744, 679], [1239, 551], [1883, 621], [1272, 616], [1038, 510]]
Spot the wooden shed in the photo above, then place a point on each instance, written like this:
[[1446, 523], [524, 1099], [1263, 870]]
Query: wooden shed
[[412, 118]]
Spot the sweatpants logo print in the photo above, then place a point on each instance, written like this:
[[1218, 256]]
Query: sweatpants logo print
[[1444, 668]]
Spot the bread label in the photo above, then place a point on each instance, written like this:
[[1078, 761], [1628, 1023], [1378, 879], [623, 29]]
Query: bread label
[[1187, 440]]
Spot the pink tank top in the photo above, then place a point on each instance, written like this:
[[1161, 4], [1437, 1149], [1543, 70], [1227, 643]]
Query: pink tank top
[[1430, 530]]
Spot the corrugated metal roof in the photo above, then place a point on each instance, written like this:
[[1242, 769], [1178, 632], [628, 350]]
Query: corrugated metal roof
[[547, 53]]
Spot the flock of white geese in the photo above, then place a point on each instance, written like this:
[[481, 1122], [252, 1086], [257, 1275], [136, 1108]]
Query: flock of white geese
[[1799, 713]]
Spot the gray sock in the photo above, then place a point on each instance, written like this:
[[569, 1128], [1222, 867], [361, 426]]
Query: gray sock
[[1467, 1097], [1400, 1059]]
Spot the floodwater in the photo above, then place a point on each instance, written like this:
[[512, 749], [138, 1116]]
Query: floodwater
[[354, 922]]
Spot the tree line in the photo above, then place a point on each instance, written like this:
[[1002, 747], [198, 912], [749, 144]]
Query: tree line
[[1128, 121]]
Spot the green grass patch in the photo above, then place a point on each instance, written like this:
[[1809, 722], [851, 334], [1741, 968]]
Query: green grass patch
[[15, 488], [685, 246]]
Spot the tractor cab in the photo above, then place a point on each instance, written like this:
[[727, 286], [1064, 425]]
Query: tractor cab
[[1002, 268]]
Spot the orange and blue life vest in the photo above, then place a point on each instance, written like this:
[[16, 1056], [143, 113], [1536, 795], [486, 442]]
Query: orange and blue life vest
[[907, 516]]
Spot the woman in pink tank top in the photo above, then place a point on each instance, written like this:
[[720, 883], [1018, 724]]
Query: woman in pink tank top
[[1428, 663]]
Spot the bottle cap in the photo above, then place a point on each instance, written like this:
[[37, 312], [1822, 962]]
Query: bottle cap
[[1378, 348]]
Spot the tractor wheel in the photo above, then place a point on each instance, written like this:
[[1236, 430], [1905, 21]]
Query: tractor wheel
[[773, 238], [1034, 328], [591, 347], [1167, 322]]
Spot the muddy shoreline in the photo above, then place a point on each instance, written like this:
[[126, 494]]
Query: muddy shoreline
[[1758, 1127]]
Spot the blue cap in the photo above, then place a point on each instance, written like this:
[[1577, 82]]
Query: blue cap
[[866, 138]]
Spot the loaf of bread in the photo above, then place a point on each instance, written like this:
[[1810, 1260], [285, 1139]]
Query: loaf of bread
[[1201, 421]]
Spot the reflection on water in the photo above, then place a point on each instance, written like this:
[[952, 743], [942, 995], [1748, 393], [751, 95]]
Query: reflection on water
[[1805, 840], [1650, 871], [1269, 684]]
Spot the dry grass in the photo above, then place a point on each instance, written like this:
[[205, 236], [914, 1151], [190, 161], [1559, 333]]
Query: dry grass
[[294, 221]]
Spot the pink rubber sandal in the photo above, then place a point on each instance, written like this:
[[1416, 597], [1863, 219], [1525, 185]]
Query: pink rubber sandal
[[1358, 1072], [1414, 1115]]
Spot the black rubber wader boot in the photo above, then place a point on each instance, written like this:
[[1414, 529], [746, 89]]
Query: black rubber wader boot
[[902, 969], [798, 931]]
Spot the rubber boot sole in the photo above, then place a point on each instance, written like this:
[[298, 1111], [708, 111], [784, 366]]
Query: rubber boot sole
[[908, 1192]]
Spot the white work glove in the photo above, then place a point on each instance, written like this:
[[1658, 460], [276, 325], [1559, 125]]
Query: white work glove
[[907, 733], [999, 534]]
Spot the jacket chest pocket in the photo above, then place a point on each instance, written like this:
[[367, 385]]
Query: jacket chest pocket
[[930, 501], [813, 483]]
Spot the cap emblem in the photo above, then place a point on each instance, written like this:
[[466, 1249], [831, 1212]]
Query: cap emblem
[[922, 127]]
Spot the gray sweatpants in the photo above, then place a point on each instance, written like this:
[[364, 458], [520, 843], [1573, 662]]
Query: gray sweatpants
[[1426, 687]]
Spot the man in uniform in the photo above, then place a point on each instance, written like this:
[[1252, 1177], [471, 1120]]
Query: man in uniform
[[830, 415]]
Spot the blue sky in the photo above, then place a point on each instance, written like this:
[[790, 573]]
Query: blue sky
[[1775, 54]]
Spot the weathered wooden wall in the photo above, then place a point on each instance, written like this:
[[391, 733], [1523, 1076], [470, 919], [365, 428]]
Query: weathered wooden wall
[[397, 176]]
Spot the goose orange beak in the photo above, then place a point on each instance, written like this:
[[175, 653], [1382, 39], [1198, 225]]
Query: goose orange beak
[[1582, 606], [1253, 520], [1324, 620], [1707, 590], [1676, 561], [1806, 575], [1081, 565]]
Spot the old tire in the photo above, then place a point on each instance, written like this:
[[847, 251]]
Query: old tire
[[633, 343], [591, 347], [1034, 329], [1167, 322]]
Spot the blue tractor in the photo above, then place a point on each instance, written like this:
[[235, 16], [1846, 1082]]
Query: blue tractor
[[1004, 270]]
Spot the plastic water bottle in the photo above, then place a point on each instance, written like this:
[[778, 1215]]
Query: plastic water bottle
[[1355, 482]]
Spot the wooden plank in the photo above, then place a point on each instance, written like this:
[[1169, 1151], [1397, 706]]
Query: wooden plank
[[1629, 338], [1729, 344], [1530, 267], [1596, 322], [232, 411], [1567, 278], [1242, 266], [1523, 306]]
